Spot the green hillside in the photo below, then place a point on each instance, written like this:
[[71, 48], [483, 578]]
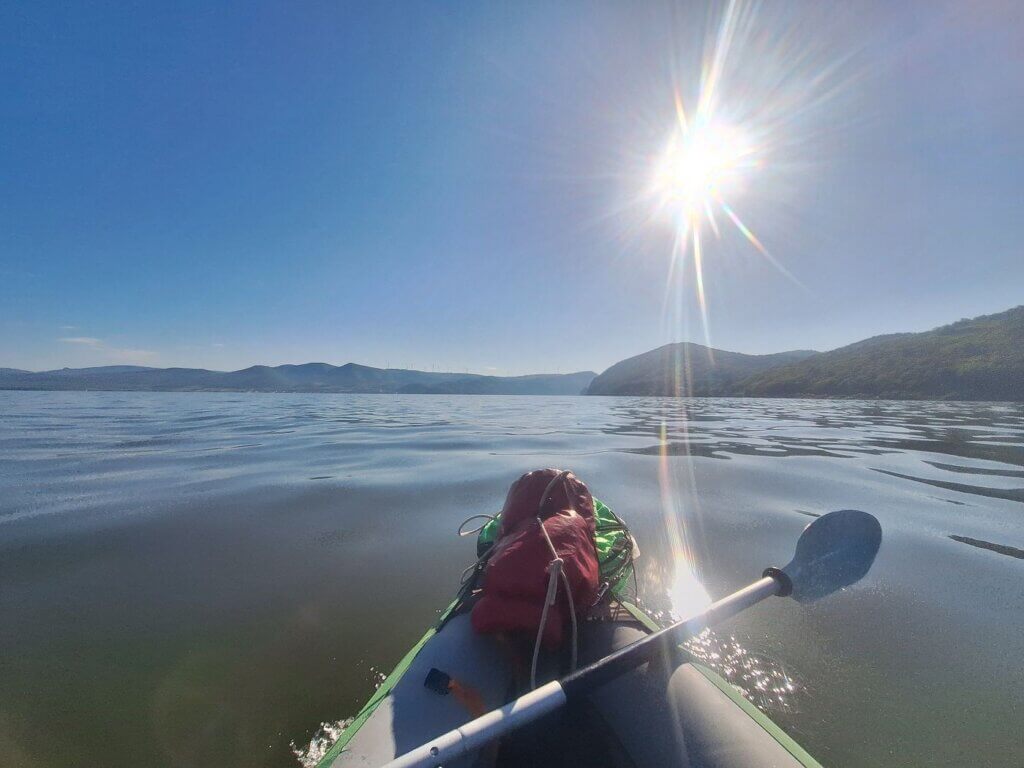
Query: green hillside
[[977, 359]]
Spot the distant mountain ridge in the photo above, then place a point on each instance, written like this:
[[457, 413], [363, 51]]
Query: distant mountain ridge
[[686, 368], [310, 377], [981, 358]]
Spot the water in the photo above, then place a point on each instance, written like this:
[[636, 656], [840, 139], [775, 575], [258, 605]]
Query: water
[[204, 579]]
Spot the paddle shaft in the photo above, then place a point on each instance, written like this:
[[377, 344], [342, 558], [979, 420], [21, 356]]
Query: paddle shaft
[[537, 703]]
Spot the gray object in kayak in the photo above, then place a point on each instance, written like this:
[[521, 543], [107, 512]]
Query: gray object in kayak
[[670, 713]]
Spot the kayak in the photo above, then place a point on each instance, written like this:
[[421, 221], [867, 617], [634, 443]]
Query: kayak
[[672, 711]]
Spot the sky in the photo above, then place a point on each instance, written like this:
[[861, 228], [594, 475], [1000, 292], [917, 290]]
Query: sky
[[468, 186]]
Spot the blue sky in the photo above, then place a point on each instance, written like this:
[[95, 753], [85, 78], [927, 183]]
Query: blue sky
[[460, 186]]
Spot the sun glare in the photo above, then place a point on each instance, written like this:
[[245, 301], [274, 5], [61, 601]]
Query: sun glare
[[705, 163], [699, 167], [687, 595], [714, 155]]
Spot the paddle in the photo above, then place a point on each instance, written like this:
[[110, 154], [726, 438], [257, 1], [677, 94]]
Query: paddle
[[834, 551]]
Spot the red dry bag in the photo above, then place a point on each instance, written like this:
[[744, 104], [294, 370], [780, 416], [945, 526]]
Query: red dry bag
[[516, 578]]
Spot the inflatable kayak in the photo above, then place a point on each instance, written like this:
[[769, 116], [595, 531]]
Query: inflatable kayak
[[669, 712]]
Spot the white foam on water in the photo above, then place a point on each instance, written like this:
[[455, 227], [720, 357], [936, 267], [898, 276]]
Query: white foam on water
[[324, 738]]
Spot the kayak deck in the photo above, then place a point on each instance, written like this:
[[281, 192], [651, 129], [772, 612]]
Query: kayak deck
[[671, 712]]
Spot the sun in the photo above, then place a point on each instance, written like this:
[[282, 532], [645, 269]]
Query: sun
[[705, 164], [700, 166]]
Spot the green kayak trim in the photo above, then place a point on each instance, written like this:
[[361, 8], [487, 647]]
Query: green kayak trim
[[385, 688], [784, 739], [755, 714]]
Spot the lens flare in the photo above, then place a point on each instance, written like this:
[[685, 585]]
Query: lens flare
[[754, 97], [749, 98], [744, 111], [686, 593], [698, 166], [706, 161]]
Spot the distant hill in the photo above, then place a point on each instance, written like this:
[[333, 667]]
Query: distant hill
[[311, 377], [687, 369], [977, 359], [535, 384]]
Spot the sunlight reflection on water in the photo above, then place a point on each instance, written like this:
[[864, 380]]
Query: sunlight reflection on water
[[761, 680]]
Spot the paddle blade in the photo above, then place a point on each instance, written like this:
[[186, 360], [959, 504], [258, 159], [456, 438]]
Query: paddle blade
[[833, 552]]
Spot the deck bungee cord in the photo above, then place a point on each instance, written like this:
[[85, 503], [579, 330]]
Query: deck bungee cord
[[555, 574]]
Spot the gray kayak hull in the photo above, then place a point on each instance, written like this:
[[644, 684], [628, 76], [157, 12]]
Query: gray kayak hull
[[672, 712]]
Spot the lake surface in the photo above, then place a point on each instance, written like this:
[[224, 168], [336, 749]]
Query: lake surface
[[204, 579]]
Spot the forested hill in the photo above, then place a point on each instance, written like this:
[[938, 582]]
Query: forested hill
[[686, 369], [977, 359]]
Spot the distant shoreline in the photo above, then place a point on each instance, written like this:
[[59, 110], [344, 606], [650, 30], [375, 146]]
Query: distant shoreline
[[850, 398], [979, 359]]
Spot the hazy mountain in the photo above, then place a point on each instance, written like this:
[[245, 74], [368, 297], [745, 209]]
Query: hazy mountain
[[537, 384], [977, 359], [686, 369], [311, 377]]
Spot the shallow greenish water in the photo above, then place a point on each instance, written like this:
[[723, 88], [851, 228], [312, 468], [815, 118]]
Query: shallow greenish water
[[204, 579]]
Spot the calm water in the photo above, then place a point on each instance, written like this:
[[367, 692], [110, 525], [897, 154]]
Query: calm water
[[203, 579]]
